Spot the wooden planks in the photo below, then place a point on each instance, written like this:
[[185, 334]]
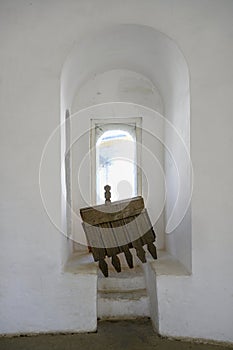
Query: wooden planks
[[111, 212], [117, 227]]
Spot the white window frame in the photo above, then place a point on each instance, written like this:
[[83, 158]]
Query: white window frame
[[137, 122]]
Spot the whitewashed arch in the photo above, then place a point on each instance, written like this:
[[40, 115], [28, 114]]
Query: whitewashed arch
[[157, 57]]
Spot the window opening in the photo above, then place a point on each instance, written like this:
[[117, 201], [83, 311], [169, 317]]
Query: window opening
[[116, 160]]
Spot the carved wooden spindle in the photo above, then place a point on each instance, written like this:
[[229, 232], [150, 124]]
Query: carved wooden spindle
[[107, 194]]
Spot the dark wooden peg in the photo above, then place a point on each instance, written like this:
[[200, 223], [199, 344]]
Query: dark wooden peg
[[116, 263], [141, 254], [129, 258], [152, 249], [103, 267]]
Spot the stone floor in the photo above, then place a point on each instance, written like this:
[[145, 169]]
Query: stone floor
[[111, 335]]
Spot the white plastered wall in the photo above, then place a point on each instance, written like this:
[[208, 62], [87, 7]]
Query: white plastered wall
[[158, 59], [129, 90], [36, 38]]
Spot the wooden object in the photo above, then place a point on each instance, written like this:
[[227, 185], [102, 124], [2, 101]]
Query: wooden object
[[107, 194], [117, 227]]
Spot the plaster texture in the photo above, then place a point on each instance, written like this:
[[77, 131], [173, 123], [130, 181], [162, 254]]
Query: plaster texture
[[36, 39]]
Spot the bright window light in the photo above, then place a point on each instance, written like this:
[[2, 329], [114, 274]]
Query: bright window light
[[116, 155]]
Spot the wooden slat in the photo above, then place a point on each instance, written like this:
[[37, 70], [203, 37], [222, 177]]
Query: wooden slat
[[150, 233], [149, 237], [109, 240], [112, 212], [111, 246], [94, 235], [118, 227], [143, 225], [122, 240], [95, 241], [133, 233]]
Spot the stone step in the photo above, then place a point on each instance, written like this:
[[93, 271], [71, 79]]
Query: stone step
[[123, 295], [119, 305], [126, 280]]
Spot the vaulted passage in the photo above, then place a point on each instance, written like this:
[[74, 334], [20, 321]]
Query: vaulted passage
[[157, 79], [147, 78]]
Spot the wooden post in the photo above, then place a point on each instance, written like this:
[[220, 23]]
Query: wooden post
[[107, 194]]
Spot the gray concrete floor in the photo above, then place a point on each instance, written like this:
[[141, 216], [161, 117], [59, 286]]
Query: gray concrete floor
[[111, 335]]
